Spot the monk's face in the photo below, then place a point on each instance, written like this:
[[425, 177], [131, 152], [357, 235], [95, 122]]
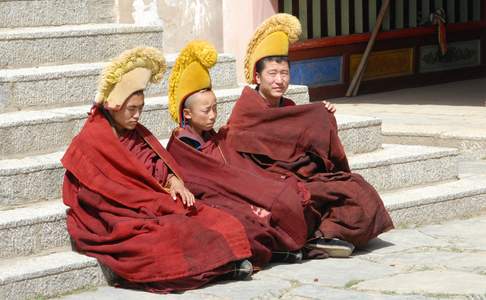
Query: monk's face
[[201, 111], [274, 81], [129, 114]]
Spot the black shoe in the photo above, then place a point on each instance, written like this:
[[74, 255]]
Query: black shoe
[[291, 257], [334, 247], [242, 270]]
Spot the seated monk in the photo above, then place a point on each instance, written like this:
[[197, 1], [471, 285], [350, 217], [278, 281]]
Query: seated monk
[[270, 210], [128, 206], [302, 142]]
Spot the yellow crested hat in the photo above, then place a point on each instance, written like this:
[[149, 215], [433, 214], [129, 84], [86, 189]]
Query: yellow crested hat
[[128, 73], [190, 74], [272, 38]]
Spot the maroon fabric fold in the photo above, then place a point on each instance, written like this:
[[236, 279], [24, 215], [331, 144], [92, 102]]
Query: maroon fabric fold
[[285, 133], [271, 210], [302, 142], [121, 214]]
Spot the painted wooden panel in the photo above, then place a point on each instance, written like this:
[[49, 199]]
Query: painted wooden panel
[[316, 18], [345, 17], [317, 72], [331, 19], [384, 64], [459, 55], [303, 18], [358, 16]]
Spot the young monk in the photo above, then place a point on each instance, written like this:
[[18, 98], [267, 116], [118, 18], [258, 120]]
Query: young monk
[[128, 204], [270, 210], [302, 142]]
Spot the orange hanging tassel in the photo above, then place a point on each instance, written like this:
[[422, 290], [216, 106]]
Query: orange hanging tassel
[[438, 18]]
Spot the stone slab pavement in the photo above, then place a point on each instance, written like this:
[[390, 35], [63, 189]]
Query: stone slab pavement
[[440, 261], [450, 114], [458, 93]]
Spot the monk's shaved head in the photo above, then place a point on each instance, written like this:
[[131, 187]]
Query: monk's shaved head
[[194, 97]]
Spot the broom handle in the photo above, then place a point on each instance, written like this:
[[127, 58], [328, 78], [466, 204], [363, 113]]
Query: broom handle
[[354, 86]]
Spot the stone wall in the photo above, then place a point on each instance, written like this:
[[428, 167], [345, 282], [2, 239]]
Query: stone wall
[[183, 20], [241, 18], [228, 24]]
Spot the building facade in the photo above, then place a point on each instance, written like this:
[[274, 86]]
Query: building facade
[[335, 34], [406, 53]]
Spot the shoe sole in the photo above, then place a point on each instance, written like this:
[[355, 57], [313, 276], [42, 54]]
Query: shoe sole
[[332, 250], [296, 258]]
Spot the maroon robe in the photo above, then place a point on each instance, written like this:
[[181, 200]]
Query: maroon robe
[[302, 142], [121, 214], [270, 210]]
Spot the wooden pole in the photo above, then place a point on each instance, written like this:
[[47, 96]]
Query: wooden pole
[[355, 83], [358, 81]]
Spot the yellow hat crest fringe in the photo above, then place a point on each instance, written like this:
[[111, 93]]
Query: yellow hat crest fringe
[[284, 23], [140, 57], [190, 74]]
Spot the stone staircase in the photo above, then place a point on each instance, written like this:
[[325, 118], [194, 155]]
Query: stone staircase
[[47, 81], [418, 184]]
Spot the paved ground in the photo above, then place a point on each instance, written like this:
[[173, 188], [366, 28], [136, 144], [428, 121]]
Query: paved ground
[[446, 261], [452, 109], [458, 93]]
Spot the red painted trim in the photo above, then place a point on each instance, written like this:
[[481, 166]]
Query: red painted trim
[[326, 92], [396, 34]]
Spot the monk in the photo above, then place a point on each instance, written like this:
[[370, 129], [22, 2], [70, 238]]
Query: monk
[[270, 210], [302, 142], [128, 204]]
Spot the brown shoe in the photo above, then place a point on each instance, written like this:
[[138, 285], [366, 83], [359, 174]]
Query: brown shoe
[[334, 247]]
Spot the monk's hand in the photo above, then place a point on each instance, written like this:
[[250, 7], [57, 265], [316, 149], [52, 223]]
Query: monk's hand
[[329, 106], [176, 187]]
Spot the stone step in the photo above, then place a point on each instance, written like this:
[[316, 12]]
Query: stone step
[[75, 84], [33, 229], [32, 13], [49, 275], [41, 227], [39, 178], [31, 179], [34, 132], [438, 202], [359, 134], [63, 271], [398, 166], [35, 46], [471, 142]]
